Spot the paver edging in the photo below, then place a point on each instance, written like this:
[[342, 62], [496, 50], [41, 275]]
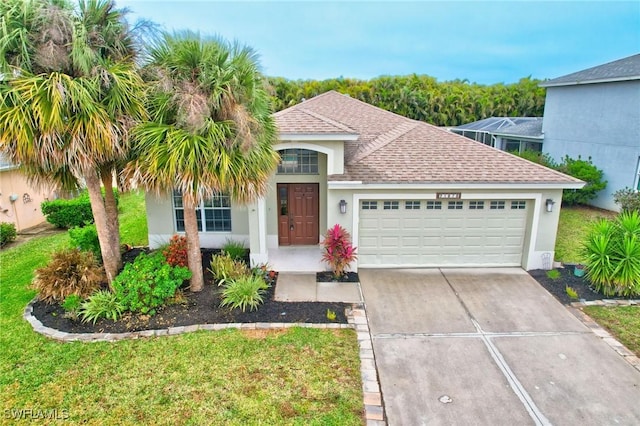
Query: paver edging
[[62, 336]]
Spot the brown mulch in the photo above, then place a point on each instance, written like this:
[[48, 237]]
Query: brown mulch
[[195, 308]]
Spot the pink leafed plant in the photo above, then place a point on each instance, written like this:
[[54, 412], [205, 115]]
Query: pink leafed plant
[[338, 250]]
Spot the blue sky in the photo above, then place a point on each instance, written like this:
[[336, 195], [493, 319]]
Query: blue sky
[[482, 41]]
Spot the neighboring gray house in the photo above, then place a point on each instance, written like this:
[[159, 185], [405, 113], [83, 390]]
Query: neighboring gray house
[[512, 134], [596, 113]]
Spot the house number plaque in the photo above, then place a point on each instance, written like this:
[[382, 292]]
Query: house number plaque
[[448, 195]]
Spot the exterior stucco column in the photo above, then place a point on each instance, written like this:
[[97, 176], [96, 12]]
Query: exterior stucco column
[[258, 232]]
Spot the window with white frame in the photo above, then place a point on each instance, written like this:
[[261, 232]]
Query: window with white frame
[[369, 205], [638, 176], [434, 205], [298, 161], [412, 205], [497, 205], [476, 205], [518, 205], [391, 205], [213, 214], [454, 205]]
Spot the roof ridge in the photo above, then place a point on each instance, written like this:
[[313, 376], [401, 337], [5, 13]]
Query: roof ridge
[[328, 120], [383, 140]]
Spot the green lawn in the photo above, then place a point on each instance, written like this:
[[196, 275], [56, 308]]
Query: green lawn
[[297, 376], [622, 321], [572, 230]]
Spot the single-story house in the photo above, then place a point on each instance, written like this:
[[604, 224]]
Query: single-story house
[[512, 134], [595, 113], [19, 200], [411, 194]]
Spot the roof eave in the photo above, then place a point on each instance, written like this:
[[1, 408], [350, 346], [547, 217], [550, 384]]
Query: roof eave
[[318, 137], [454, 185], [582, 82]]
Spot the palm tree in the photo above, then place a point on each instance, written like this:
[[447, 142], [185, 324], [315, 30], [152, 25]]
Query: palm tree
[[210, 129], [69, 95]]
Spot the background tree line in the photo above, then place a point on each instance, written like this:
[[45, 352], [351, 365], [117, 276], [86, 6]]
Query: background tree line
[[421, 97]]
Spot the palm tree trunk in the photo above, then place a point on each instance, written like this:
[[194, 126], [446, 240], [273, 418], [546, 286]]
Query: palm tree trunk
[[110, 259], [194, 257], [111, 207]]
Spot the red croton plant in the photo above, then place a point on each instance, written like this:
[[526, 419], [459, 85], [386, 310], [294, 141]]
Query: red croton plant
[[338, 250], [176, 251]]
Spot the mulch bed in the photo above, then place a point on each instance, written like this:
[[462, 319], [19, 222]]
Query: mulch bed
[[557, 287], [327, 277], [195, 308]]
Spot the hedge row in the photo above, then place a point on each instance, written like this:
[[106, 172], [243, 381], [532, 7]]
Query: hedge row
[[70, 213]]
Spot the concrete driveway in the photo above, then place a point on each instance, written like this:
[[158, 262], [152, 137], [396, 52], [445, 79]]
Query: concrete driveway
[[490, 347]]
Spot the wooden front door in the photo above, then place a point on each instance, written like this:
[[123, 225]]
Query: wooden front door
[[298, 214]]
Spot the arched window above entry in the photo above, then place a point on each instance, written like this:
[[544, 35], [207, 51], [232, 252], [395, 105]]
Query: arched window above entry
[[298, 161]]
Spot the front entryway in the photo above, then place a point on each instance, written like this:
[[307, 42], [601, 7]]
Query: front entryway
[[298, 211]]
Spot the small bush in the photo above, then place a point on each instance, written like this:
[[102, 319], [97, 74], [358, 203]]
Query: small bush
[[86, 239], [245, 292], [571, 292], [235, 249], [102, 304], [69, 272], [537, 157], [612, 252], [7, 233], [586, 171], [148, 282], [176, 252], [71, 306], [553, 274], [627, 199], [338, 250], [226, 269], [69, 213]]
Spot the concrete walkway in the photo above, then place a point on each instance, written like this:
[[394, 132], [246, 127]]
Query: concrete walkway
[[302, 287], [461, 346]]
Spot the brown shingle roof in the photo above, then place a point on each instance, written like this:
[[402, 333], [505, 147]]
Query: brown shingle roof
[[394, 149]]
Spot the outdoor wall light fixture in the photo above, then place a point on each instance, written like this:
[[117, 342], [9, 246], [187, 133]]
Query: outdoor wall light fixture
[[343, 206], [549, 203]]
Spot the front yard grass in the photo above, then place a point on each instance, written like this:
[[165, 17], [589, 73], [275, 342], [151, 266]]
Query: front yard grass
[[293, 376], [622, 321], [572, 230]]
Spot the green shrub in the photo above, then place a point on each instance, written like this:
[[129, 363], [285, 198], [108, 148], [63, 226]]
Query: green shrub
[[69, 272], [571, 292], [235, 249], [71, 306], [537, 157], [148, 282], [225, 269], [586, 171], [86, 239], [101, 304], [244, 292], [612, 251], [627, 199], [69, 213], [7, 233], [176, 252], [553, 274]]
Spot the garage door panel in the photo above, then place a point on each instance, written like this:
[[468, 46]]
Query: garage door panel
[[442, 237]]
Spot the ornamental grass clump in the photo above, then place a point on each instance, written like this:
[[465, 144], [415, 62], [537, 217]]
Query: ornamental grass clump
[[245, 292], [612, 252], [69, 272], [338, 250]]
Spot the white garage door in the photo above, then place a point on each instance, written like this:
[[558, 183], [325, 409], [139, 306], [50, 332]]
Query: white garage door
[[441, 233]]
